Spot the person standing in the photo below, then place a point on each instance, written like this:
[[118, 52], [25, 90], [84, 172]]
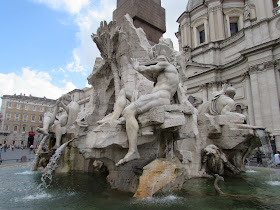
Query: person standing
[[259, 157], [277, 158], [5, 147], [0, 154]]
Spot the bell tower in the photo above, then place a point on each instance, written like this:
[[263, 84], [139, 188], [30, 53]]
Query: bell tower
[[146, 14]]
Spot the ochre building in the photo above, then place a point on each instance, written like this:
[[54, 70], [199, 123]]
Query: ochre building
[[21, 115]]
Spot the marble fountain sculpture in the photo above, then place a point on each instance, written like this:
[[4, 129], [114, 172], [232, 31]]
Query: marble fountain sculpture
[[140, 125]]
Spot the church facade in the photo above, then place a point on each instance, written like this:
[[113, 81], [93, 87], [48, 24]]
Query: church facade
[[235, 42]]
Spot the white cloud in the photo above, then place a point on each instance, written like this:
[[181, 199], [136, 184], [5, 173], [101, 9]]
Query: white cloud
[[173, 11], [71, 6], [75, 66], [87, 16], [32, 82], [88, 22]]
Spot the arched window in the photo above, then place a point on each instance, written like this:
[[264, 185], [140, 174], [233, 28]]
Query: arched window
[[200, 31], [234, 21]]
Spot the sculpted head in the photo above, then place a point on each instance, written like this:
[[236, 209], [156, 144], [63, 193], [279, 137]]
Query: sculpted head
[[211, 149], [230, 91]]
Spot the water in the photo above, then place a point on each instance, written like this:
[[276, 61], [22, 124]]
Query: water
[[18, 190], [266, 146], [37, 159], [52, 165]]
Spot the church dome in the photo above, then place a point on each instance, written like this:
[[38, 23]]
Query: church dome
[[192, 4]]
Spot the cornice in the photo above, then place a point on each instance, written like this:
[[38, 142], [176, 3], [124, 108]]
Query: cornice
[[260, 47], [215, 8], [263, 66]]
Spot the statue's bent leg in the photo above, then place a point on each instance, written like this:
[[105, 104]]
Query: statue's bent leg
[[132, 128], [46, 123], [58, 133], [118, 108]]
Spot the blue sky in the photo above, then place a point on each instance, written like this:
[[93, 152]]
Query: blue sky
[[45, 45]]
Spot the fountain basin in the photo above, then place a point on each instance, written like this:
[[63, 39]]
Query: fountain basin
[[85, 191]]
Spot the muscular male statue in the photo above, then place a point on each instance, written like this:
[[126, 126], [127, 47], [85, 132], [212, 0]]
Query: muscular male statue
[[63, 122], [166, 80]]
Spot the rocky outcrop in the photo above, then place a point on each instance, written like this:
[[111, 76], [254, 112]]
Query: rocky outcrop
[[165, 174]]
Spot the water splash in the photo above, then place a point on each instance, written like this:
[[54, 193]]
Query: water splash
[[52, 165], [36, 161], [164, 200], [25, 173], [37, 197], [266, 146], [251, 171], [274, 183]]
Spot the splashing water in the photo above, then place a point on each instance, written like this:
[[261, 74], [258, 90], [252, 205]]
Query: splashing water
[[267, 149], [52, 165], [266, 146], [36, 197], [160, 201], [274, 183], [36, 161], [25, 173], [251, 171]]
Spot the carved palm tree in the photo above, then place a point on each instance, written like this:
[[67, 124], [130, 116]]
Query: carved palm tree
[[106, 40]]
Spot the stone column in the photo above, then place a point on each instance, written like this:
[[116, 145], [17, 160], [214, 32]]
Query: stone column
[[189, 34], [249, 100], [214, 85], [204, 93], [256, 96], [277, 72], [220, 23], [228, 26], [273, 93], [195, 36], [211, 23], [183, 35], [206, 29]]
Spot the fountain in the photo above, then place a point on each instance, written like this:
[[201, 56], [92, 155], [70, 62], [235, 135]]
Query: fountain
[[166, 137], [153, 143]]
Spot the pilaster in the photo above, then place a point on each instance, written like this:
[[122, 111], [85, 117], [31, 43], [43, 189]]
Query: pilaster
[[249, 99], [256, 96]]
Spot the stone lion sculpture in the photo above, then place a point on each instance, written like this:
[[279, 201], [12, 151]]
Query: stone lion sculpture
[[215, 161]]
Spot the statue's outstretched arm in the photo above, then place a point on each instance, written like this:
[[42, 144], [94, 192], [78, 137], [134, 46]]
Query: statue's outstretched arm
[[152, 68]]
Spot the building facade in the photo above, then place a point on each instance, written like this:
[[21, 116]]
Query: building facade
[[21, 115], [82, 97], [235, 42]]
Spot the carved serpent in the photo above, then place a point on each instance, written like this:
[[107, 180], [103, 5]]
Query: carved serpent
[[218, 178]]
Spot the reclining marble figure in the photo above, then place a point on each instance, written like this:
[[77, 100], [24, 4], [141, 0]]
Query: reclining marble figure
[[63, 122], [221, 103], [166, 79]]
